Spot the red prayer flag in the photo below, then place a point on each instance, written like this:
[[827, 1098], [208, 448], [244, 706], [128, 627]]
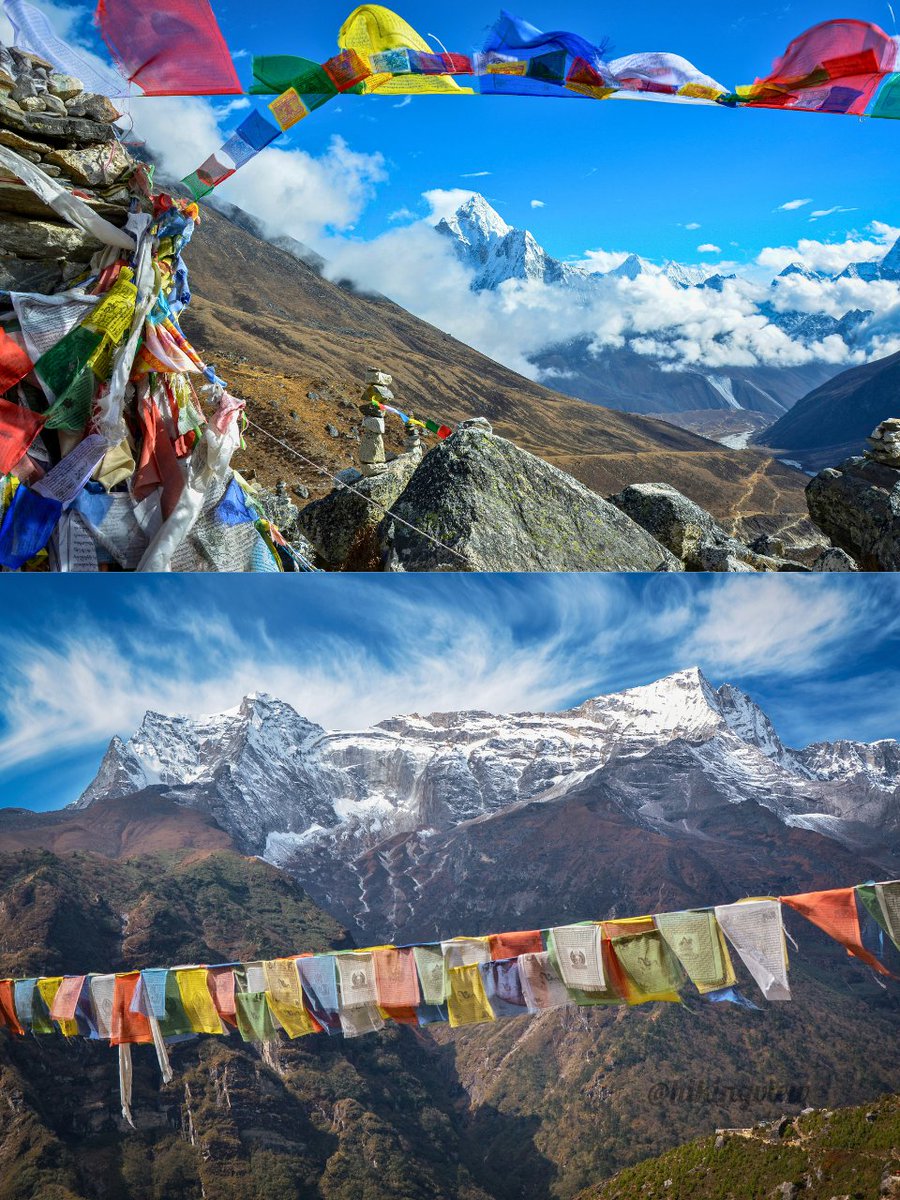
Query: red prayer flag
[[220, 981], [66, 999], [14, 362], [837, 914], [511, 945], [127, 1027], [8, 1015], [159, 462], [169, 47], [19, 426]]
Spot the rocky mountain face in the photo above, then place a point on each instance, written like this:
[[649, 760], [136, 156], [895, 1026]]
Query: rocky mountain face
[[379, 823], [833, 422], [496, 253]]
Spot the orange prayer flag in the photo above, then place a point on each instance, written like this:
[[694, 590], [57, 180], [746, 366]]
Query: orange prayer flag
[[19, 427], [221, 987], [396, 979], [127, 1027], [836, 913], [66, 999], [8, 1015], [14, 362], [511, 945]]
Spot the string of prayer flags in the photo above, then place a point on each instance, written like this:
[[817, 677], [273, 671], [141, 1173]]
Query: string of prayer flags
[[836, 913], [169, 47], [462, 981], [755, 930], [442, 431]]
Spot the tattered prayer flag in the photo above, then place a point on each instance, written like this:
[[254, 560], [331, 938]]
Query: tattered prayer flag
[[8, 1016], [836, 913], [578, 956], [197, 1002], [19, 426], [511, 945], [62, 363], [466, 952], [357, 977], [541, 983], [467, 1003], [221, 988], [102, 988], [356, 1022], [696, 940], [49, 990], [65, 1002], [254, 1020], [396, 980], [652, 970], [318, 976], [288, 109], [127, 1027], [72, 406], [14, 362], [169, 47], [432, 976], [754, 928], [286, 998], [888, 895], [26, 528], [503, 987]]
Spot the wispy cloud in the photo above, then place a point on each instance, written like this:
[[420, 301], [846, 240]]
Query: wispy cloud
[[818, 213], [477, 175], [709, 248], [692, 226], [791, 205], [538, 204]]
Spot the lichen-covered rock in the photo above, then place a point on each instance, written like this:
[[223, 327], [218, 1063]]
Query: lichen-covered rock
[[691, 533], [43, 240], [499, 508], [834, 559], [341, 526], [94, 166], [858, 506]]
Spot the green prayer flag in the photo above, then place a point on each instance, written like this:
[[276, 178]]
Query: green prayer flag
[[196, 186], [175, 1022], [887, 102], [649, 962], [72, 406], [275, 73], [40, 1015], [62, 363], [254, 1019]]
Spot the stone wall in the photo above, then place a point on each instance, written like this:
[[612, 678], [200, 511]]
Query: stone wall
[[50, 120]]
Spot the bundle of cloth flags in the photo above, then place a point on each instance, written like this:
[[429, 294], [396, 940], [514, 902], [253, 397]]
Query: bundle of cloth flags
[[107, 458], [462, 981]]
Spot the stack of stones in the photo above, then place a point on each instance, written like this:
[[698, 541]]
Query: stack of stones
[[48, 119], [884, 444], [371, 448]]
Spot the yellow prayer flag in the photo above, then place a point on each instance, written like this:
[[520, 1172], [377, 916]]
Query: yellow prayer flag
[[196, 1000], [48, 989], [372, 29], [467, 1003], [113, 315], [285, 996]]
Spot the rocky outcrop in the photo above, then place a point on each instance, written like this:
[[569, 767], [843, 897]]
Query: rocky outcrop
[[691, 533], [490, 506], [48, 119], [342, 526], [858, 503]]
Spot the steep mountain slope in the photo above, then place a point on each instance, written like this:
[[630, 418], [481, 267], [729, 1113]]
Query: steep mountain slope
[[833, 422], [380, 823], [325, 1119], [278, 331]]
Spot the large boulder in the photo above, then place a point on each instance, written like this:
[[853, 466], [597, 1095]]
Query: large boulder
[[342, 525], [690, 532], [858, 506], [490, 506]]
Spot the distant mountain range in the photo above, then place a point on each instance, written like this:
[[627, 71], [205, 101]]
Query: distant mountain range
[[372, 821], [833, 422], [496, 253]]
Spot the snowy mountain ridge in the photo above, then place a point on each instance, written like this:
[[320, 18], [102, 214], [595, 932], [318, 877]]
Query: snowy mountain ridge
[[278, 782]]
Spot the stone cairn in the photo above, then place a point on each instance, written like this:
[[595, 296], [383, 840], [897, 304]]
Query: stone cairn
[[50, 120], [884, 444], [372, 458]]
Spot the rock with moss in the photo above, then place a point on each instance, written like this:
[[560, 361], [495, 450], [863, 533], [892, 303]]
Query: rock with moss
[[489, 506], [858, 506]]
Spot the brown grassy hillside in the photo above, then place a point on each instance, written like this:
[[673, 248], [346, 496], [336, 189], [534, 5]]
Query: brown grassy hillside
[[279, 331]]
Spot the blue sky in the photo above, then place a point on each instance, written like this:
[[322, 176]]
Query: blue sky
[[622, 174], [84, 659]]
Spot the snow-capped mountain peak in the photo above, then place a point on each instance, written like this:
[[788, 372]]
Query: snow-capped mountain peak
[[476, 221]]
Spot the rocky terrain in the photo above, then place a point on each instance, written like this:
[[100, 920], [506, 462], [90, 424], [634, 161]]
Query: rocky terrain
[[48, 119], [822, 1154], [382, 824]]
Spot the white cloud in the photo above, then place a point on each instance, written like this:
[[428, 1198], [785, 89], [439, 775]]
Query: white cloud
[[538, 204], [829, 212], [443, 202], [600, 262], [478, 175], [792, 205], [405, 102], [831, 257], [709, 248], [692, 226]]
